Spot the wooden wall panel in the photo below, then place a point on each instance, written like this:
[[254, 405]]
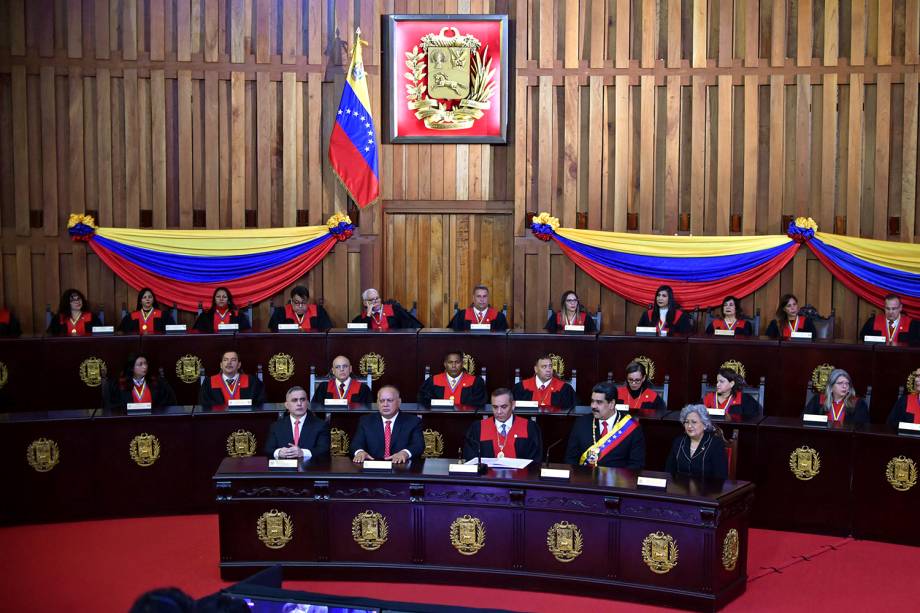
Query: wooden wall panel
[[665, 116]]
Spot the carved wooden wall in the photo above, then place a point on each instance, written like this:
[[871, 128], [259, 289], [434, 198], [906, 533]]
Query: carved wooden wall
[[714, 117]]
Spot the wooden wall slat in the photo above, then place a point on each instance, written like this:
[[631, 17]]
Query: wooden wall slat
[[621, 156], [751, 32], [17, 24], [288, 152], [184, 30], [854, 155], [778, 33], [158, 147], [74, 28], [649, 29], [726, 32], [545, 200], [831, 32], [751, 153], [672, 156], [621, 56], [571, 148], [648, 98], [805, 30], [104, 145], [912, 33], [883, 56], [909, 159], [724, 155], [828, 152], [803, 141], [598, 33], [76, 177], [20, 137], [237, 148], [594, 163], [698, 146], [264, 104], [882, 153], [184, 149], [674, 33], [857, 32]]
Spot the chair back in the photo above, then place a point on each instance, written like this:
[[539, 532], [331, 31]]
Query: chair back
[[597, 319], [731, 454], [101, 314], [48, 316], [824, 326], [124, 311], [549, 310], [751, 390]]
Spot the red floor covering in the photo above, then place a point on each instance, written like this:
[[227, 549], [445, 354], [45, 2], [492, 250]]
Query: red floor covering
[[101, 566]]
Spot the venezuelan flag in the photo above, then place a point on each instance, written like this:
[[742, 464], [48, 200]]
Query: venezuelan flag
[[353, 145]]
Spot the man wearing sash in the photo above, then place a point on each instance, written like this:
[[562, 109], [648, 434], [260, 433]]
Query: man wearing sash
[[898, 329], [381, 316], [503, 435], [454, 384], [300, 434], [308, 317], [230, 384], [550, 392], [342, 385], [606, 438], [479, 313]]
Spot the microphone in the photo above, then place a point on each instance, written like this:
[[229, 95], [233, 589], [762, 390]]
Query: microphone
[[548, 449]]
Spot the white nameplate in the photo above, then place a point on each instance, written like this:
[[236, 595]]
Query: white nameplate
[[354, 326], [139, 406], [716, 412], [442, 402], [801, 335], [574, 328], [464, 469], [526, 404], [287, 464], [869, 338], [906, 425], [722, 332], [288, 328], [336, 402], [103, 330], [239, 402], [377, 465], [228, 327], [646, 330], [624, 408], [662, 332], [480, 327], [555, 473], [176, 328], [815, 419], [651, 482]]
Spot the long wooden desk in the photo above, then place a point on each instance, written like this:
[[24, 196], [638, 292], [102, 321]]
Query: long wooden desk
[[598, 533], [400, 357]]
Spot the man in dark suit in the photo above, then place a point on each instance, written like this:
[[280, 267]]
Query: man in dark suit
[[300, 434], [391, 435], [230, 384], [605, 438], [503, 435]]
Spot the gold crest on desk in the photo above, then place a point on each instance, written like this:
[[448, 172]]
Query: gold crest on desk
[[338, 443], [467, 535], [819, 377], [736, 366], [92, 370], [731, 547], [434, 443], [564, 541], [145, 449], [649, 365], [4, 375], [659, 552], [241, 444], [804, 463], [281, 367], [43, 454], [188, 367], [370, 530], [901, 473], [373, 364], [274, 529]]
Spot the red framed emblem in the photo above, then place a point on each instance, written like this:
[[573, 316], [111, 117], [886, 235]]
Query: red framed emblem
[[446, 78]]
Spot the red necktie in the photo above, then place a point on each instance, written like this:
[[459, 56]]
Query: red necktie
[[387, 435], [604, 428], [342, 390], [892, 338], [296, 431]]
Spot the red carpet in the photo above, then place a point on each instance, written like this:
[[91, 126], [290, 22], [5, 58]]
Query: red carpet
[[102, 566]]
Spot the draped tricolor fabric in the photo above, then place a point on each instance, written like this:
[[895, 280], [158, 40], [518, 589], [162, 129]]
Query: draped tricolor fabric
[[353, 146], [183, 267], [703, 270]]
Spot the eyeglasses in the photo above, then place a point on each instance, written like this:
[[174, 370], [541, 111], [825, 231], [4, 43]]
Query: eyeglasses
[[374, 299], [571, 299], [298, 302]]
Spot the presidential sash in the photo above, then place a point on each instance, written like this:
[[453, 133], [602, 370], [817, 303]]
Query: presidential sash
[[608, 442]]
